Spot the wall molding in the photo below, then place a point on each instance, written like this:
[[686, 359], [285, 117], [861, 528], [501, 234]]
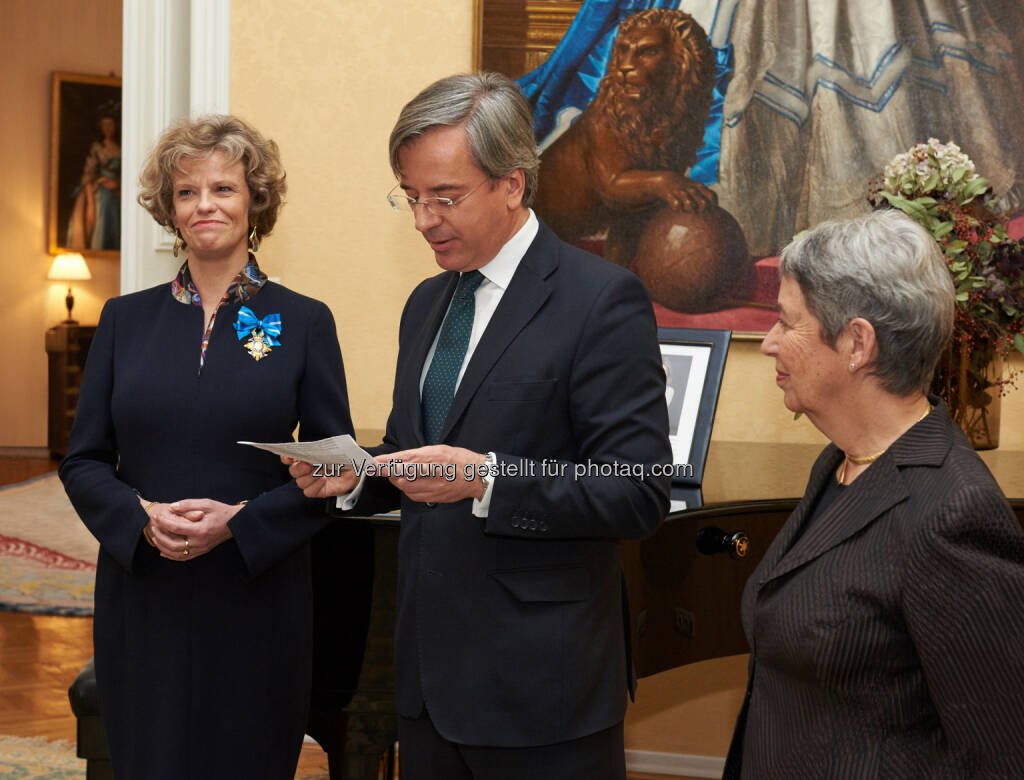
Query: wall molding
[[674, 764], [210, 57], [25, 452], [176, 62]]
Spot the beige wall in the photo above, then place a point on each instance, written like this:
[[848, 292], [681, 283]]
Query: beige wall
[[326, 80], [37, 37], [750, 405]]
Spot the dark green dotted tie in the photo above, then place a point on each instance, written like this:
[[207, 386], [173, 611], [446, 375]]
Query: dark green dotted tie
[[452, 342]]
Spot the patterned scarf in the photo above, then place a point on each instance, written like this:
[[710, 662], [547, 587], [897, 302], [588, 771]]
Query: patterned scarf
[[247, 283]]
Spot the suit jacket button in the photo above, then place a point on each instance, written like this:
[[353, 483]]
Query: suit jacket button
[[430, 505], [543, 526], [533, 524]]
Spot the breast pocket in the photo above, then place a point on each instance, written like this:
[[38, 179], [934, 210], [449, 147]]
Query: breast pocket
[[522, 391]]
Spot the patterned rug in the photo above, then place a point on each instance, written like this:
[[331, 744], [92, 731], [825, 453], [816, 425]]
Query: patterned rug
[[47, 557], [35, 758]]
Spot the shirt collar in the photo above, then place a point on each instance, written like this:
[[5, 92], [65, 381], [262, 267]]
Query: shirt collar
[[245, 285], [501, 269]]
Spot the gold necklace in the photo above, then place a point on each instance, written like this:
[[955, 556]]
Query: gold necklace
[[865, 459]]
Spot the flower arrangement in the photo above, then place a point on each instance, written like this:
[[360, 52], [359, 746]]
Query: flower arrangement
[[936, 184]]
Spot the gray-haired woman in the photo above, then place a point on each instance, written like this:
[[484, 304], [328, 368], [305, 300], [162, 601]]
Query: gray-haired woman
[[886, 619]]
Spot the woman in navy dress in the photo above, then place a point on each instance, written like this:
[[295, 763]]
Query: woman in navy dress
[[203, 591]]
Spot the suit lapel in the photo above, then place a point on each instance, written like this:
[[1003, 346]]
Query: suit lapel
[[823, 468], [409, 382], [876, 491], [526, 293]]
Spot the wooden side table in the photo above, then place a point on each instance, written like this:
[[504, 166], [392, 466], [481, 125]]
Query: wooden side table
[[66, 347]]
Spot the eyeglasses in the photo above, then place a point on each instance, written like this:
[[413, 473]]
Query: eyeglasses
[[439, 207]]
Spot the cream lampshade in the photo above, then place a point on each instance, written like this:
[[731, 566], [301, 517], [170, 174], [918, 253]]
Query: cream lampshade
[[69, 267]]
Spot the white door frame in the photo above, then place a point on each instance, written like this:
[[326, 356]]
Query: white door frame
[[176, 61]]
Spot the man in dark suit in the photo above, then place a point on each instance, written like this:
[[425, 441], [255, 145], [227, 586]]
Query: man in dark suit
[[528, 410]]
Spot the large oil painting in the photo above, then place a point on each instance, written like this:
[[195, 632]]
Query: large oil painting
[[689, 140]]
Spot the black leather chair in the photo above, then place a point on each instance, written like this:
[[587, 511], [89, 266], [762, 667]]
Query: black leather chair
[[92, 739]]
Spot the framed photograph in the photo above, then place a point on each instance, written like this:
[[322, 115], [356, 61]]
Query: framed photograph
[[694, 362], [85, 165]]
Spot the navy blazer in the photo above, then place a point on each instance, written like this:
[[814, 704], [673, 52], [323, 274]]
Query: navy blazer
[[514, 629], [888, 639]]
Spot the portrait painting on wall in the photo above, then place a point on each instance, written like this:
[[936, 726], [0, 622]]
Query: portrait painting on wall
[[690, 140], [85, 165]]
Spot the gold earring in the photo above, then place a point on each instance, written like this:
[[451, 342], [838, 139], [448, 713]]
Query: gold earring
[[254, 241], [179, 242]]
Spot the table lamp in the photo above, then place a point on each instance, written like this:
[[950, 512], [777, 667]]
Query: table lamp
[[69, 267]]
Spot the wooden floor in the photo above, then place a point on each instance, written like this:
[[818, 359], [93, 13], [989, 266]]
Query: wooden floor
[[40, 655], [39, 658]]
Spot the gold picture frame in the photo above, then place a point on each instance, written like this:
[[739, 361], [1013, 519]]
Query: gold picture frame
[[85, 157], [514, 37]]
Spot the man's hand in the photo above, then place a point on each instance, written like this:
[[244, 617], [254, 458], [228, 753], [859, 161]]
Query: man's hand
[[320, 487], [440, 473]]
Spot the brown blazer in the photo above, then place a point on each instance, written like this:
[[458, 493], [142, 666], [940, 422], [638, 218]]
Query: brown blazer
[[888, 639]]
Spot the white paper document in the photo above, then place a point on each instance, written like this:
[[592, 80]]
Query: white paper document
[[337, 449]]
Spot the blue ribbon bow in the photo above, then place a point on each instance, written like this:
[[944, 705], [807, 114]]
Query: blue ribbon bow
[[247, 322]]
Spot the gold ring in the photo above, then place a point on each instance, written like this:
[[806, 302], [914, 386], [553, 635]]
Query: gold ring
[[186, 546]]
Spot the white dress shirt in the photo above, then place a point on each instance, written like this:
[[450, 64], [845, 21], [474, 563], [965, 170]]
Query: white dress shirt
[[497, 275]]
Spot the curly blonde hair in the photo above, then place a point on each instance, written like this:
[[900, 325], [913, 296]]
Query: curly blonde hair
[[191, 138]]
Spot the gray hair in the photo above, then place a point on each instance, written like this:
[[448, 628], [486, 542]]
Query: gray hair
[[889, 270], [496, 116]]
